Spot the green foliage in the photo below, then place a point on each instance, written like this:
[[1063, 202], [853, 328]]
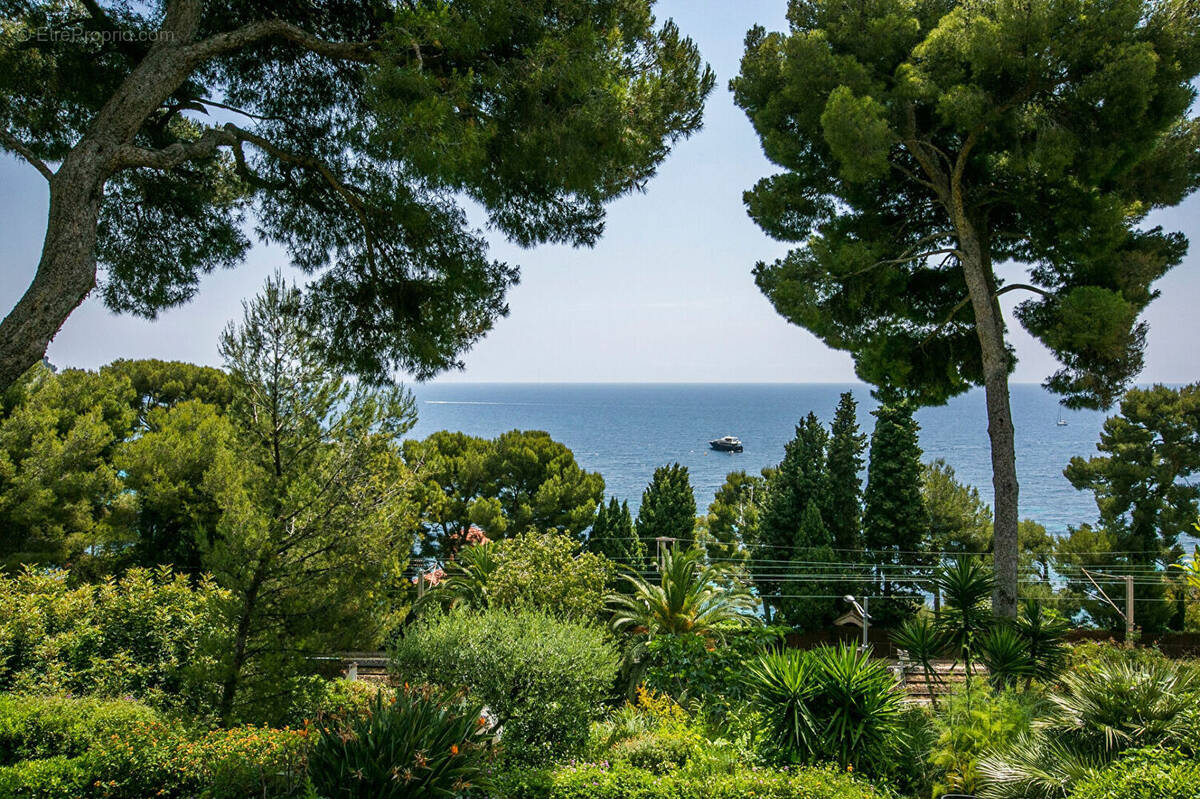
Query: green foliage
[[540, 571], [668, 509], [1044, 632], [689, 668], [1116, 701], [921, 144], [34, 727], [543, 678], [150, 634], [599, 781], [924, 641], [415, 743], [731, 526], [59, 491], [959, 520], [517, 482], [842, 508], [894, 520], [970, 725], [612, 535], [1144, 774], [1143, 485], [692, 597], [830, 703]]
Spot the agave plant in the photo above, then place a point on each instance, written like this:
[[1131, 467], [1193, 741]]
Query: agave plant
[[1106, 707], [924, 642], [690, 597], [965, 585], [1006, 655]]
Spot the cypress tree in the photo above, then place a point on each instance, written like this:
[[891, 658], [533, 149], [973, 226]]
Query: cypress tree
[[799, 481], [668, 509], [612, 535], [842, 508], [894, 517], [813, 554]]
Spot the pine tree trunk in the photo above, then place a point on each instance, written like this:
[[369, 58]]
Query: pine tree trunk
[[989, 325]]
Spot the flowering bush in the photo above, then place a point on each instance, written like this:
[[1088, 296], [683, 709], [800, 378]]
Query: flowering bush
[[414, 743]]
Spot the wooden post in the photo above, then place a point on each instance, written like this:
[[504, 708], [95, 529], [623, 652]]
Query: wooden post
[[1128, 611]]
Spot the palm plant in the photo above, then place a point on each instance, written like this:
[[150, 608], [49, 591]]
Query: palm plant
[[1115, 703], [465, 583], [965, 585], [690, 597], [784, 684], [924, 642]]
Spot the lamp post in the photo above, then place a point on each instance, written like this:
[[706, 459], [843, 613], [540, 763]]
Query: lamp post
[[862, 611]]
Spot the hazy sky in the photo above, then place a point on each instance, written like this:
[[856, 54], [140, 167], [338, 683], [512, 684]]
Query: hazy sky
[[667, 295]]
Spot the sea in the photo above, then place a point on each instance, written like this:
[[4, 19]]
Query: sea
[[625, 431]]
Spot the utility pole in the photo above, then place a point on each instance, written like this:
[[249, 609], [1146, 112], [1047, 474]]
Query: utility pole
[[1128, 614], [1128, 611]]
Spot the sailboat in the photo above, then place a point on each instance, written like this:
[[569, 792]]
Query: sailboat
[[1061, 421]]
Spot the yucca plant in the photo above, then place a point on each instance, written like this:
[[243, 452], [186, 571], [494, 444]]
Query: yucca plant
[[833, 703], [413, 743], [1006, 655], [784, 684], [1045, 634], [924, 642], [965, 585]]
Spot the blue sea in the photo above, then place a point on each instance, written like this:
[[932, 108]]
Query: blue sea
[[625, 431]]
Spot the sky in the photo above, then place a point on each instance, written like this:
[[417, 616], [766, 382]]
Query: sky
[[666, 296]]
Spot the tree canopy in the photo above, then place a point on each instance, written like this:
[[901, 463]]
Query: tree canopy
[[924, 144], [668, 510], [350, 132], [519, 481]]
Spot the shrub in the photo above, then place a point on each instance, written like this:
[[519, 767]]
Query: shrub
[[1144, 774], [543, 678], [831, 703], [548, 572], [970, 725], [151, 634], [317, 698], [620, 781], [414, 744], [88, 749], [38, 727]]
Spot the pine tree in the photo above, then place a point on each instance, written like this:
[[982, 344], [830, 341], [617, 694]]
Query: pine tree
[[668, 509], [894, 518], [799, 480], [842, 508], [732, 521], [612, 535]]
